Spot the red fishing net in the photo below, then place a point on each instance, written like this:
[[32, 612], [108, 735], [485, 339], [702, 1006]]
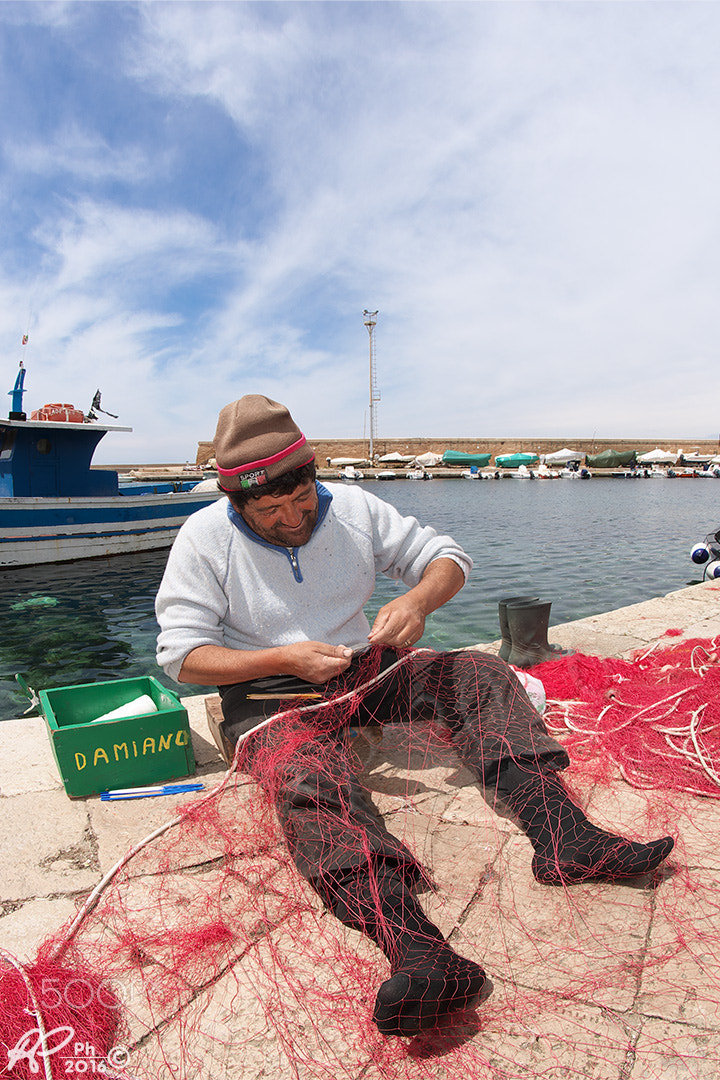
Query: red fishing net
[[206, 954], [657, 717]]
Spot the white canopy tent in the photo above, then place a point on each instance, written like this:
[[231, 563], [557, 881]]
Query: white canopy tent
[[561, 457], [428, 459], [397, 457], [657, 457]]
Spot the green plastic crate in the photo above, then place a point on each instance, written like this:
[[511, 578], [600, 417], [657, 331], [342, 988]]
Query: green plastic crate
[[128, 752]]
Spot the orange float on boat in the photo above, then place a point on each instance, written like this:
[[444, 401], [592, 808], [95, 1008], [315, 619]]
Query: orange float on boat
[[59, 411]]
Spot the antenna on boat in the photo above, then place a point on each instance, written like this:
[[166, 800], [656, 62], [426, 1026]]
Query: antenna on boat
[[370, 319], [16, 413]]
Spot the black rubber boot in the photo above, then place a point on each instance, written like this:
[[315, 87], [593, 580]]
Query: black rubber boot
[[568, 847], [528, 627], [428, 979], [506, 646]]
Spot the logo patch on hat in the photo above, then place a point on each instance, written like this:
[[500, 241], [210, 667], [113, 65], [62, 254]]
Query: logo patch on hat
[[253, 479]]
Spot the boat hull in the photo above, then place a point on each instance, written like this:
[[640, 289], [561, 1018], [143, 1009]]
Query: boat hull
[[39, 530]]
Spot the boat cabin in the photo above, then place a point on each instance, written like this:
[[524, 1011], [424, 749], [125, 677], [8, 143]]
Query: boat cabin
[[48, 458]]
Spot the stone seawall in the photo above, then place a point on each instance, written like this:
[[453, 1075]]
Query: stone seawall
[[358, 448]]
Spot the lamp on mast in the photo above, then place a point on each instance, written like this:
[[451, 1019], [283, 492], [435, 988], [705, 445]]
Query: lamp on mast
[[370, 319]]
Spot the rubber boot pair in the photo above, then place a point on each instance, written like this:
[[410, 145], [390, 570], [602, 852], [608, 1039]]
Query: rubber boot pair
[[524, 622], [428, 979]]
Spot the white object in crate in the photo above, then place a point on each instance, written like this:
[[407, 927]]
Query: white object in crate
[[139, 706]]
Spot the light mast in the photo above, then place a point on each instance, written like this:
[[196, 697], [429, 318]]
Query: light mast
[[370, 318]]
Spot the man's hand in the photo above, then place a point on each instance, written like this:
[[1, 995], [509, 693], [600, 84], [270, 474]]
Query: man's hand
[[316, 662], [400, 623]]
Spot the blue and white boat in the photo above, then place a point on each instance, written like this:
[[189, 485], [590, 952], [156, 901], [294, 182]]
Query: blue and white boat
[[55, 508]]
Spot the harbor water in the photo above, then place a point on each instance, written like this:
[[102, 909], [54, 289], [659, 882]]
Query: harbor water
[[588, 546]]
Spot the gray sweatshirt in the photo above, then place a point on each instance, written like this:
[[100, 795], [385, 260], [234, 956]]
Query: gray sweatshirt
[[225, 586]]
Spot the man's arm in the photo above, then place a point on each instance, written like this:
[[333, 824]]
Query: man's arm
[[216, 665], [402, 621]]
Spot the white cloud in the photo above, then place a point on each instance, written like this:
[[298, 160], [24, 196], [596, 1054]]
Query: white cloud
[[94, 240], [73, 150], [243, 55]]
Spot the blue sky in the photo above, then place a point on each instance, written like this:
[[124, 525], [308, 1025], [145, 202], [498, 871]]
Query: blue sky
[[199, 199]]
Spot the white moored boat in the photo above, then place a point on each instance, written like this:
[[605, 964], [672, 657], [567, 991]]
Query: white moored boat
[[351, 473]]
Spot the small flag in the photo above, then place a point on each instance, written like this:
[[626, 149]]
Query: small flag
[[25, 339]]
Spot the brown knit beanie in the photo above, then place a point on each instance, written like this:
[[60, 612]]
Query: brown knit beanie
[[256, 441]]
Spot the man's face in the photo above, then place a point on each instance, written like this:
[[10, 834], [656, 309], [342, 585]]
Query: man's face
[[285, 520]]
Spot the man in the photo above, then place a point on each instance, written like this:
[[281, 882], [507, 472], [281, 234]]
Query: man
[[263, 596]]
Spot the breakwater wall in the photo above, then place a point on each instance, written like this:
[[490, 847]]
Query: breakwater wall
[[359, 448]]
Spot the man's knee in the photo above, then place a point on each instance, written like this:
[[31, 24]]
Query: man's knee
[[302, 790]]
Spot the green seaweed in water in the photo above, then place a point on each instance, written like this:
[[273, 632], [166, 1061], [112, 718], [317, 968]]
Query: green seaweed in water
[[34, 600]]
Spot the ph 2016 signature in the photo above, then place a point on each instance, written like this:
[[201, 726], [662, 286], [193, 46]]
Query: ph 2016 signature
[[83, 1058]]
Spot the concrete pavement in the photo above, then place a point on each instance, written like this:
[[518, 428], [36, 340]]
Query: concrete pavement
[[619, 982]]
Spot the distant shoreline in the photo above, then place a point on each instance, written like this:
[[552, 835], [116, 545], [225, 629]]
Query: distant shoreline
[[358, 448], [177, 473]]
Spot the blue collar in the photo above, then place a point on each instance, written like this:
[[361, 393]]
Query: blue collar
[[324, 500]]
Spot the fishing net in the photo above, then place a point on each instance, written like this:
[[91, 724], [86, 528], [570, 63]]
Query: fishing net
[[204, 953], [656, 718]]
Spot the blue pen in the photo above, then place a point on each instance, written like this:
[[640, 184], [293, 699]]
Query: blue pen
[[150, 792]]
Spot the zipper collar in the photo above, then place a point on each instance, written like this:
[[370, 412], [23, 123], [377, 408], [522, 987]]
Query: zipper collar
[[324, 500]]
